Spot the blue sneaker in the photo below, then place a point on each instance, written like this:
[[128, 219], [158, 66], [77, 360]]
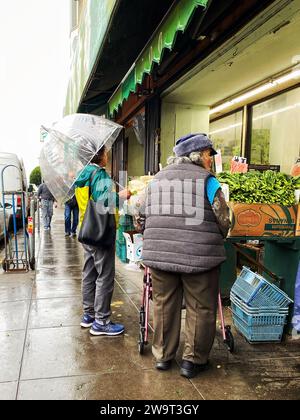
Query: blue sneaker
[[108, 329], [87, 321]]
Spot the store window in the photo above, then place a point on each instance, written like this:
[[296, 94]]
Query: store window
[[136, 135], [226, 134], [275, 134]]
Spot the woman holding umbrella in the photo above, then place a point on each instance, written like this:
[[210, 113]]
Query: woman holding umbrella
[[78, 144]]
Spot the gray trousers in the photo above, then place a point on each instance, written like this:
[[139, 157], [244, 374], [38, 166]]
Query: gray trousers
[[47, 212], [98, 277], [201, 296]]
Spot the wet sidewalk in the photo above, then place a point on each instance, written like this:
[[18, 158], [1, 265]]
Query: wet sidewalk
[[46, 355]]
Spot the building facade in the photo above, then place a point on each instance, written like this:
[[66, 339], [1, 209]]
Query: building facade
[[228, 68]]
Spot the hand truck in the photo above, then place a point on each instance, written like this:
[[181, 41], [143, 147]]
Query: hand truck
[[16, 247]]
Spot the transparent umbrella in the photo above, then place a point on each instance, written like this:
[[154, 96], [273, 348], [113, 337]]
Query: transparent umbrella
[[69, 147]]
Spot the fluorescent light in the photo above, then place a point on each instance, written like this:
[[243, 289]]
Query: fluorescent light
[[260, 117], [278, 111], [283, 79], [221, 130]]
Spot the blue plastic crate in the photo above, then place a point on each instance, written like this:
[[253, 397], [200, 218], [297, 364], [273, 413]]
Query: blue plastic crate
[[247, 284], [256, 291], [270, 295], [258, 310], [259, 319], [260, 333]]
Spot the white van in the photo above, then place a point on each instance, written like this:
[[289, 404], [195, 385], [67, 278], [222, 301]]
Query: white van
[[13, 180], [7, 207]]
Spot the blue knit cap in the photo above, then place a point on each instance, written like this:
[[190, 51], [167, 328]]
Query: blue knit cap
[[193, 143]]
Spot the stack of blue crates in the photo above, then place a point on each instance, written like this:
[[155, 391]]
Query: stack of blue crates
[[259, 308]]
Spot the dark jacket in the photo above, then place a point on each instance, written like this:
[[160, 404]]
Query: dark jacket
[[72, 202], [44, 193], [181, 233]]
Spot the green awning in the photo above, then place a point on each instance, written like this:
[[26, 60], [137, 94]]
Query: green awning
[[164, 37]]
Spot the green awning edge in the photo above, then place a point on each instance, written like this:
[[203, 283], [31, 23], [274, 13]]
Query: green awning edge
[[165, 36]]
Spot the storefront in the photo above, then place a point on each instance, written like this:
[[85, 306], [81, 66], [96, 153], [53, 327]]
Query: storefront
[[272, 123], [246, 94], [244, 91], [202, 55]]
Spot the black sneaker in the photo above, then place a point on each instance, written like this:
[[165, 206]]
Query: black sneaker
[[163, 365], [190, 370]]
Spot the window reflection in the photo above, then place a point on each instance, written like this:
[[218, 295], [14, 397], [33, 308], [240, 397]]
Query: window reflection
[[226, 134], [275, 138]]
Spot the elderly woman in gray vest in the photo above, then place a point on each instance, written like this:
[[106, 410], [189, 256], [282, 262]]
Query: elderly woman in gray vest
[[187, 220]]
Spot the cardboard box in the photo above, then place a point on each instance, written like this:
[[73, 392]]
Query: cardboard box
[[264, 220], [134, 246]]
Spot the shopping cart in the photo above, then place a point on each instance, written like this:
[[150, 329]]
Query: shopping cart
[[228, 338]]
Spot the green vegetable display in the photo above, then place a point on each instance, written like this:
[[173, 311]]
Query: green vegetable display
[[267, 187]]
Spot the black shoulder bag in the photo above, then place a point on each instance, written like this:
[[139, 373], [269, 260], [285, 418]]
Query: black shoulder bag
[[98, 227]]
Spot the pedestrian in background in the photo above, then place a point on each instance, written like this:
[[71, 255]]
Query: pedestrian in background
[[98, 274], [185, 254], [71, 216], [47, 200]]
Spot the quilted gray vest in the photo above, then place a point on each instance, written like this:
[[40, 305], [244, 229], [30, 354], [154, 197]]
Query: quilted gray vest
[[181, 233]]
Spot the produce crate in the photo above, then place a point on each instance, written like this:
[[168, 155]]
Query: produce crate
[[255, 311], [256, 291], [260, 318], [264, 220], [258, 333]]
